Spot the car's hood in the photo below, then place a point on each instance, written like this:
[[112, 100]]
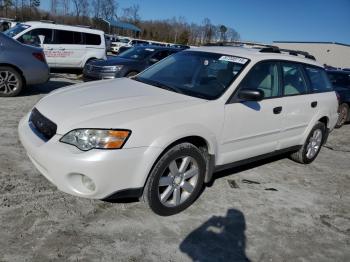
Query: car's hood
[[112, 61], [118, 99]]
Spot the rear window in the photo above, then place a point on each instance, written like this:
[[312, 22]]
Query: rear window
[[76, 38], [318, 79], [339, 79], [92, 39], [64, 37]]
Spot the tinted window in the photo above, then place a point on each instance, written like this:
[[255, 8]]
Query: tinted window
[[263, 76], [199, 74], [64, 37], [137, 53], [161, 55], [92, 39], [339, 79], [318, 79], [293, 79], [32, 37], [78, 38]]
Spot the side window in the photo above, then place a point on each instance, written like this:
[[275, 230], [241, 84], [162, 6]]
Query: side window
[[78, 38], [32, 37], [263, 76], [318, 79], [293, 79], [92, 39], [160, 55], [64, 37]]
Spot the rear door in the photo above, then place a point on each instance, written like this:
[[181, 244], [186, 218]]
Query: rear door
[[68, 48], [299, 104]]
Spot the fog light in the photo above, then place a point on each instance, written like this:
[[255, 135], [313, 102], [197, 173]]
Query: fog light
[[88, 183]]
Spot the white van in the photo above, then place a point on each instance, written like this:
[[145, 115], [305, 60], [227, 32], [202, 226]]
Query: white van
[[64, 46]]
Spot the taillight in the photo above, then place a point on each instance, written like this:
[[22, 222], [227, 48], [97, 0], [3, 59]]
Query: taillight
[[40, 56]]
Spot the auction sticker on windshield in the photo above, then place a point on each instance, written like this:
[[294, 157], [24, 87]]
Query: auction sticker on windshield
[[233, 59]]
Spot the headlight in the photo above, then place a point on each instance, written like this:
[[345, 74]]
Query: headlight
[[111, 68], [86, 139]]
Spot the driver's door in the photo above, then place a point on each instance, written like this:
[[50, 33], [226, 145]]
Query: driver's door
[[252, 128]]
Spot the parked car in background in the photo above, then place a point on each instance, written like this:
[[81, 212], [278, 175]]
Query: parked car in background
[[6, 23], [20, 65], [64, 46], [123, 49], [161, 134], [341, 83], [127, 64], [119, 42], [180, 46]]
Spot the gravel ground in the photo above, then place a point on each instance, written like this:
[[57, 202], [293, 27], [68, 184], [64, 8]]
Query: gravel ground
[[305, 216]]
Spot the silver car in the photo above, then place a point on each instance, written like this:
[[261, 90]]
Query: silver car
[[20, 65]]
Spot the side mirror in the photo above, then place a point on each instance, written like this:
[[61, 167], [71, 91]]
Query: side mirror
[[153, 60], [250, 94], [42, 39]]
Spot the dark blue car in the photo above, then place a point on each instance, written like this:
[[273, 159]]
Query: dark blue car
[[341, 83], [129, 63]]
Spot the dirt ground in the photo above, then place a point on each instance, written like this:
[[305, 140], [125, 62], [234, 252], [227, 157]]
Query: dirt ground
[[305, 216]]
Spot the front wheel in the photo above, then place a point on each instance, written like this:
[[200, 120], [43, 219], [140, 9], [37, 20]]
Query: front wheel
[[312, 146], [176, 180]]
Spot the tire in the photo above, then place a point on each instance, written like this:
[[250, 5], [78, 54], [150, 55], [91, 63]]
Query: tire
[[11, 82], [130, 74], [343, 115], [313, 143], [167, 190]]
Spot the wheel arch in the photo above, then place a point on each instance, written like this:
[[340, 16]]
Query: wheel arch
[[18, 70]]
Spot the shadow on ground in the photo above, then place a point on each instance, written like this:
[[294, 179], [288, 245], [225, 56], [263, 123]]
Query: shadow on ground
[[218, 239], [44, 88]]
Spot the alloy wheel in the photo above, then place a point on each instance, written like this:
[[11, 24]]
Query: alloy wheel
[[178, 181], [314, 144], [8, 82]]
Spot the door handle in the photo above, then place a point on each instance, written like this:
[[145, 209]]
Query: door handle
[[50, 48], [61, 48], [314, 104], [277, 110]]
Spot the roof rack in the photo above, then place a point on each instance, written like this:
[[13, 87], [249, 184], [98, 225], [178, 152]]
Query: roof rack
[[240, 43], [84, 26], [265, 48], [297, 52], [47, 21]]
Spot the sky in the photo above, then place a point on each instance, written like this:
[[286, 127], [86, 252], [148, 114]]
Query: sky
[[258, 20]]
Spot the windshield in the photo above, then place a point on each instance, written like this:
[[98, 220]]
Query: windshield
[[137, 53], [16, 30], [198, 74], [123, 40]]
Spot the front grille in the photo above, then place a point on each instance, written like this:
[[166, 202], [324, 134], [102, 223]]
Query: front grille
[[41, 125], [94, 68]]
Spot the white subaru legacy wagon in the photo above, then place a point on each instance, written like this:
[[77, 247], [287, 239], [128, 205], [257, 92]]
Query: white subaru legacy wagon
[[162, 134]]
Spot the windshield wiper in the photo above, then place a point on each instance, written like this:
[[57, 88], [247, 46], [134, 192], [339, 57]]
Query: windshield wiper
[[158, 84]]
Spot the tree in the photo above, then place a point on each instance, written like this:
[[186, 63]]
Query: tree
[[132, 14], [53, 6], [223, 30], [6, 4], [108, 9], [78, 6]]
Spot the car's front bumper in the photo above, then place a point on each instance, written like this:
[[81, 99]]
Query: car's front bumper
[[110, 170], [92, 76]]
